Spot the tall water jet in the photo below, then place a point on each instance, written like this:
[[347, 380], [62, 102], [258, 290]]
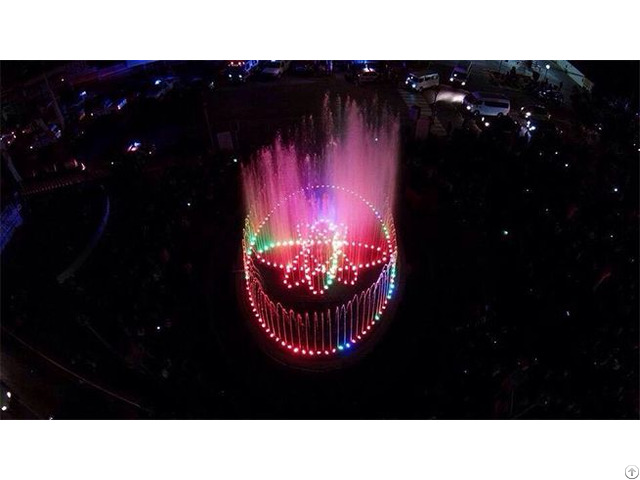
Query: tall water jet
[[319, 246]]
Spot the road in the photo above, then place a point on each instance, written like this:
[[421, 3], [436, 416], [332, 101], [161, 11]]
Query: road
[[42, 388]]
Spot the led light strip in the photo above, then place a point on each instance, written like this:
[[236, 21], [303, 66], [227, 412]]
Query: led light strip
[[336, 329]]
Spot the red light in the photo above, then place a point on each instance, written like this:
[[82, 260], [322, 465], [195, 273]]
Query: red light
[[324, 262]]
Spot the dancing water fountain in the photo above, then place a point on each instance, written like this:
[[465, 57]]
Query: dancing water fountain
[[319, 248]]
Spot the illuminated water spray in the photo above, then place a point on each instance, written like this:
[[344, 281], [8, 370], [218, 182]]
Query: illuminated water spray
[[319, 244]]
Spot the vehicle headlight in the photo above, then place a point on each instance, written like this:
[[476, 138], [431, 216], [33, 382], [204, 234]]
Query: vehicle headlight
[[464, 83], [451, 79]]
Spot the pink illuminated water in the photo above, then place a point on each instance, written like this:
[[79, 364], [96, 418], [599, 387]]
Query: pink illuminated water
[[322, 217], [357, 156]]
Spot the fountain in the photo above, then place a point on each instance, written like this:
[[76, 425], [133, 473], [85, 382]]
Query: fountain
[[319, 246]]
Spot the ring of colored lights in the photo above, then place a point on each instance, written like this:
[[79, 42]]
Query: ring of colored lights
[[332, 315]]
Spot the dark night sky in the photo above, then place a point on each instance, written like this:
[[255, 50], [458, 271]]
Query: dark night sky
[[619, 77]]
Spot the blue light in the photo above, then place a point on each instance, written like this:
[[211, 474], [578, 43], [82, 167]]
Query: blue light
[[83, 93], [157, 82], [348, 345], [340, 347]]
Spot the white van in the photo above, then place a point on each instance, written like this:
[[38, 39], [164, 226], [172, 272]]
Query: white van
[[275, 68], [487, 104], [421, 82]]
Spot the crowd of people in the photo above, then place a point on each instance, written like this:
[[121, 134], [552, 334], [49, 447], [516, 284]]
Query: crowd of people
[[532, 253]]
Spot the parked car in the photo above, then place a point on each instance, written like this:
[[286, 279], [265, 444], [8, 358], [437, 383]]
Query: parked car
[[420, 82], [275, 68], [309, 68], [161, 87], [535, 112], [55, 169], [104, 107], [303, 67], [235, 75], [77, 101], [42, 138], [504, 131], [100, 107], [239, 71], [366, 75], [73, 165], [459, 76], [55, 130], [487, 104], [551, 95], [545, 130], [139, 147], [499, 126], [134, 157]]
